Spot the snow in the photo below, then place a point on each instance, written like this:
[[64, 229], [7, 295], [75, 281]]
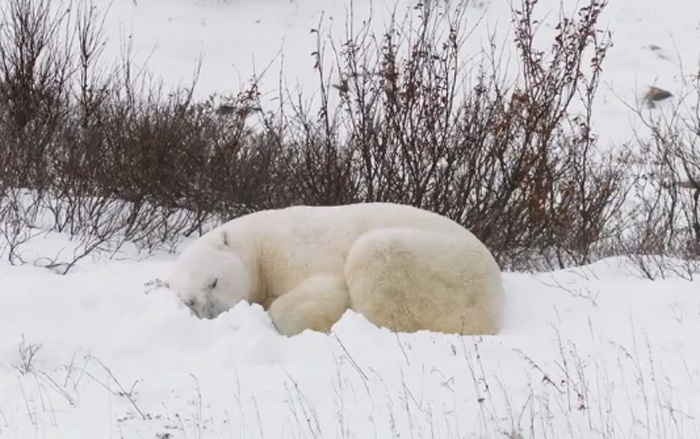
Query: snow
[[588, 352], [654, 44], [122, 357]]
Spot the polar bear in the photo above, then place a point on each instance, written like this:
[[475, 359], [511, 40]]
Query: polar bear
[[401, 267]]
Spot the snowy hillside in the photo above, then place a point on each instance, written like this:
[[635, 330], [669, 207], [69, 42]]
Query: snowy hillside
[[654, 43], [590, 352]]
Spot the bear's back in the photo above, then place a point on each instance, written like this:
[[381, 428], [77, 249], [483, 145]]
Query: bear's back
[[295, 242], [350, 221]]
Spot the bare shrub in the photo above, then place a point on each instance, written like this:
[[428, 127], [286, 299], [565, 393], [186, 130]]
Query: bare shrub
[[101, 151], [113, 157], [34, 71], [27, 353], [664, 238], [419, 125]]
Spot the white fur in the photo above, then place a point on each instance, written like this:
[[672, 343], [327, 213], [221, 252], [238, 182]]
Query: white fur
[[403, 268]]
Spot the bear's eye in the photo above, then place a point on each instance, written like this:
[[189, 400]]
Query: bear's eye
[[213, 284], [190, 303]]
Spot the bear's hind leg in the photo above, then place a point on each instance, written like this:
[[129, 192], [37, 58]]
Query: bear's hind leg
[[316, 304], [409, 280]]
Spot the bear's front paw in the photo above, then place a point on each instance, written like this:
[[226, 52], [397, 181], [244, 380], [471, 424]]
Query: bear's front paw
[[316, 304]]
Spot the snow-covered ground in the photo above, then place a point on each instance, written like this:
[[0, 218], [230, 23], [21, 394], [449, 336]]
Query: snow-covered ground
[[654, 43], [589, 352]]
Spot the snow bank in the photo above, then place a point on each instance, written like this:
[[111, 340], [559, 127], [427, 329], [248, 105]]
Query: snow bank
[[584, 353]]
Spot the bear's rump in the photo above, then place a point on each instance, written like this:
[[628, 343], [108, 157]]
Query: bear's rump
[[410, 280]]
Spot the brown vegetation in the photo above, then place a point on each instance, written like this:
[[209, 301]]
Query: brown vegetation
[[109, 157]]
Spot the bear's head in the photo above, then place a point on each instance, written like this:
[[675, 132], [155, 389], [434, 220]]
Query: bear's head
[[209, 278]]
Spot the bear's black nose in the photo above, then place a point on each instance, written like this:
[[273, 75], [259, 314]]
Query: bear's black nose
[[192, 305]]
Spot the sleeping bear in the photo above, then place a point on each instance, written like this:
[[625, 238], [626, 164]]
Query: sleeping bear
[[401, 267]]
